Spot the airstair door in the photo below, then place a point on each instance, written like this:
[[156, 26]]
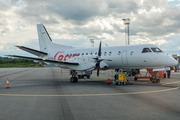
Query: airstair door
[[124, 57]]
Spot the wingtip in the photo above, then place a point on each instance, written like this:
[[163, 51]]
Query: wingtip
[[17, 46]]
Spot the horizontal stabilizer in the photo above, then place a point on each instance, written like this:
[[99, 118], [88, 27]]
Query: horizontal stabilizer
[[44, 60], [33, 51]]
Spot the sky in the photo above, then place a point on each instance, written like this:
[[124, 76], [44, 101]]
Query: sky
[[75, 22]]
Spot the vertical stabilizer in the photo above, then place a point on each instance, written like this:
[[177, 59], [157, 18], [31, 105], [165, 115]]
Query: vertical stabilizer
[[45, 41]]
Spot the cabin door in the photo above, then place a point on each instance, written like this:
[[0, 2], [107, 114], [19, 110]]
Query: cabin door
[[124, 57]]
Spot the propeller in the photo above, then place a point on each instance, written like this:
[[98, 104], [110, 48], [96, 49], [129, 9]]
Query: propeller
[[98, 60]]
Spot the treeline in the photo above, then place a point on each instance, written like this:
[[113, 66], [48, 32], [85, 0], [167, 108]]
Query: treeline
[[16, 62]]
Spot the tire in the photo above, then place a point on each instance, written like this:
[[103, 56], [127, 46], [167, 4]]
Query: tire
[[75, 79], [135, 78], [82, 76], [79, 76], [133, 73], [88, 76], [72, 79]]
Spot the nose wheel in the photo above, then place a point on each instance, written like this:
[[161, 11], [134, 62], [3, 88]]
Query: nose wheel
[[73, 79]]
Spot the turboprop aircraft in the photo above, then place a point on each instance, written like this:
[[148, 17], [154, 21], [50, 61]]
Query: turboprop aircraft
[[87, 59]]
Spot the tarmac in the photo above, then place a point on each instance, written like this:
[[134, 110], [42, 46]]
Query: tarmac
[[46, 93]]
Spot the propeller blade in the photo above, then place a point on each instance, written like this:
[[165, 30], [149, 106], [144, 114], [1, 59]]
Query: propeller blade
[[99, 52], [97, 72], [98, 60]]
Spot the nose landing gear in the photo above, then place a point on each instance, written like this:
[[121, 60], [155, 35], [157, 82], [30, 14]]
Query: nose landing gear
[[73, 79]]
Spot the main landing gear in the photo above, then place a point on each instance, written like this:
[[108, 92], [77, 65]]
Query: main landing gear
[[73, 79], [86, 74], [75, 76]]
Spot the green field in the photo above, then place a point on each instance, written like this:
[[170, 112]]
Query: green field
[[6, 62]]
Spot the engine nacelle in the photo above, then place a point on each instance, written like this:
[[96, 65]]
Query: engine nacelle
[[103, 65]]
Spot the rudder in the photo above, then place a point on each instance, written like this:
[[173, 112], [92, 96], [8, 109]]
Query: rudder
[[45, 41]]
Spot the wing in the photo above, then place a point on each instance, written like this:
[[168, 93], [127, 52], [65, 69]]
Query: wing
[[45, 60]]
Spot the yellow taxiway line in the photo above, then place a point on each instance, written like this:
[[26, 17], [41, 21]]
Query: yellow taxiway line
[[171, 83]]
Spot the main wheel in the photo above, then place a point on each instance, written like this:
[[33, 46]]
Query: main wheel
[[75, 79], [133, 73], [72, 79], [82, 76], [135, 78], [79, 76], [88, 76]]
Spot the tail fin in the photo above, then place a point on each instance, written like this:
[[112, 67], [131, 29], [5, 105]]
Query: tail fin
[[45, 41]]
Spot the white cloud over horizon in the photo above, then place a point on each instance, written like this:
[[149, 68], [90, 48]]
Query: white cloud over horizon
[[75, 22]]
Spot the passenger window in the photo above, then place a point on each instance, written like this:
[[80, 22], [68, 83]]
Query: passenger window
[[70, 55], [156, 50], [78, 54], [110, 53], [82, 53], [145, 50], [96, 53], [86, 53], [104, 53], [91, 53], [119, 52]]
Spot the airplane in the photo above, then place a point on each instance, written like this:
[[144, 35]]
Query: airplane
[[87, 59]]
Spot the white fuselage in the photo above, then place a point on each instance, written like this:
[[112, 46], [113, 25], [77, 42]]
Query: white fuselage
[[120, 57]]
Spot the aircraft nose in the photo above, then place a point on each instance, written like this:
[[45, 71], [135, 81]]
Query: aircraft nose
[[172, 61]]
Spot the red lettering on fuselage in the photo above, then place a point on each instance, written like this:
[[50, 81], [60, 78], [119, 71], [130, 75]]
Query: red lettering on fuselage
[[67, 56], [60, 58], [57, 54]]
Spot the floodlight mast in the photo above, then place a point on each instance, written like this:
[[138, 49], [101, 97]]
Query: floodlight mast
[[92, 42], [126, 23]]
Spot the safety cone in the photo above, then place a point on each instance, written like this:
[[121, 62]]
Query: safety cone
[[109, 81], [7, 84]]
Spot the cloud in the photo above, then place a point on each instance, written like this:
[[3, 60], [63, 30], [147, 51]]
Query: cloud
[[77, 21]]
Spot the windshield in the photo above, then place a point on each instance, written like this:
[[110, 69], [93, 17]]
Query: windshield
[[156, 50], [146, 50]]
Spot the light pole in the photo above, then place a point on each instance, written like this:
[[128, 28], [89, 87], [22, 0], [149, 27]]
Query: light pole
[[92, 42], [126, 23]]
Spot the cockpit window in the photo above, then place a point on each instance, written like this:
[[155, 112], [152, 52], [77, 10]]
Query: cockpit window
[[156, 50], [145, 50]]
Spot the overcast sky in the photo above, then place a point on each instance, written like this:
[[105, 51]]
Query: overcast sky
[[75, 22]]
